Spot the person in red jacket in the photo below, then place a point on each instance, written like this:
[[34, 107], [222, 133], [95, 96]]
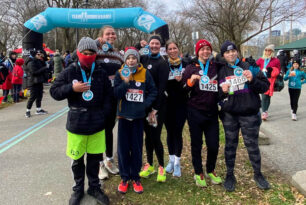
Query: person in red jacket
[[6, 86], [17, 77], [270, 66]]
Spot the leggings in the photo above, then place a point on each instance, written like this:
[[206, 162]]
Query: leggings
[[294, 99], [265, 102]]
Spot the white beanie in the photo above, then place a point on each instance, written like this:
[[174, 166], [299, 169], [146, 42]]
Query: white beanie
[[270, 47]]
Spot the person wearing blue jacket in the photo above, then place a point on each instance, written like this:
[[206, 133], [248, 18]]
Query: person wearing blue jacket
[[296, 78], [135, 91]]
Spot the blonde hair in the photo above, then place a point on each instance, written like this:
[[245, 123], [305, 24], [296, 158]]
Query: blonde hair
[[264, 56], [101, 32]]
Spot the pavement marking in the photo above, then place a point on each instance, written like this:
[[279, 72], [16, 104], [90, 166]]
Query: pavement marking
[[37, 127]]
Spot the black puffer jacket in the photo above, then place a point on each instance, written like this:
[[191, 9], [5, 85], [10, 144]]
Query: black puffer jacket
[[36, 71], [84, 117]]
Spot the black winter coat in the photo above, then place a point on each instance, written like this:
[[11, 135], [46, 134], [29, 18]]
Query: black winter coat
[[36, 70], [84, 117]]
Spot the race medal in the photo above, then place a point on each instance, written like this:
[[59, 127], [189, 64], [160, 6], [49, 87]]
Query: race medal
[[149, 66], [211, 86], [134, 95], [205, 79], [105, 47], [125, 72], [238, 72], [144, 51], [201, 72], [177, 72], [171, 75], [106, 60], [87, 95]]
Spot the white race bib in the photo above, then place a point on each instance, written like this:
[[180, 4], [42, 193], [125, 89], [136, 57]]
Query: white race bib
[[234, 80], [134, 95], [211, 86]]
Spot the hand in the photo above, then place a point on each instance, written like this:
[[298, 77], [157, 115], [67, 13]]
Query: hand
[[248, 75], [80, 87], [143, 43], [152, 115], [126, 79], [178, 78], [194, 78], [101, 40], [225, 87], [292, 74]]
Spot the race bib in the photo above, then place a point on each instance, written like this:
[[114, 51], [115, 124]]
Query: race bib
[[211, 86], [134, 95], [234, 80]]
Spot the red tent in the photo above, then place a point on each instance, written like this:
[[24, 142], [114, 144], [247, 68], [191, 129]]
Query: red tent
[[19, 50]]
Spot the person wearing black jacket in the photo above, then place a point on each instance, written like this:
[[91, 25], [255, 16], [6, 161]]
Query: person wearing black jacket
[[176, 112], [158, 68], [240, 103], [86, 87], [37, 74]]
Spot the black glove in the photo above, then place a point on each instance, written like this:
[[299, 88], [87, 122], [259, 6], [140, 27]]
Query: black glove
[[269, 71]]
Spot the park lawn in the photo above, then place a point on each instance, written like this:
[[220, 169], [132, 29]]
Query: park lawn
[[184, 191]]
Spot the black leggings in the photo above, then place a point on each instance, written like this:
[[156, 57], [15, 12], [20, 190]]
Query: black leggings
[[36, 94], [152, 139], [200, 122], [176, 115], [294, 99], [109, 126]]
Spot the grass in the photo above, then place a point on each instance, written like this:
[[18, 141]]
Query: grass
[[184, 191]]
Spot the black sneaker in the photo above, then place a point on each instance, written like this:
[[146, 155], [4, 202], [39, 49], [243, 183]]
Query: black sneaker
[[41, 112], [230, 182], [28, 114], [99, 195], [261, 182], [76, 197]]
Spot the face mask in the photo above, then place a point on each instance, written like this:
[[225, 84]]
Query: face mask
[[86, 61]]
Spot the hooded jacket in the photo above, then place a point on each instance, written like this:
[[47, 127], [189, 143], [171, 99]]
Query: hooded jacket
[[36, 70], [18, 72], [140, 83]]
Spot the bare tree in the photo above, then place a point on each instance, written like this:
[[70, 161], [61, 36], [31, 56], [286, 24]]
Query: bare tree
[[240, 20]]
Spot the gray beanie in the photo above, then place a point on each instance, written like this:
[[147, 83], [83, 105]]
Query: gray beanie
[[87, 43], [131, 51]]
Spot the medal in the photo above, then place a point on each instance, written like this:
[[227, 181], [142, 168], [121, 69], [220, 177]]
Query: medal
[[238, 71], [125, 72], [205, 79], [105, 47], [87, 95]]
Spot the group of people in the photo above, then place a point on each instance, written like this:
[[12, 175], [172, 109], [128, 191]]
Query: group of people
[[144, 92]]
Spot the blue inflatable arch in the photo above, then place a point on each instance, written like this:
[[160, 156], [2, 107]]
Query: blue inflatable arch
[[90, 18]]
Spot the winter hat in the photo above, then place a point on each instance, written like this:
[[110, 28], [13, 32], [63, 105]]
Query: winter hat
[[157, 37], [201, 43], [227, 46], [270, 47], [20, 61], [296, 60], [131, 51], [87, 43]]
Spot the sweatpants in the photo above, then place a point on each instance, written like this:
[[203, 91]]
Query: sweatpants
[[92, 170], [109, 126], [249, 126], [265, 102], [200, 122], [36, 95], [17, 89], [176, 115], [152, 139], [130, 142], [294, 99]]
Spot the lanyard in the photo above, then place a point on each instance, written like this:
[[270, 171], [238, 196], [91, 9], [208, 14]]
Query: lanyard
[[84, 75], [236, 62], [172, 70], [206, 67], [267, 61]]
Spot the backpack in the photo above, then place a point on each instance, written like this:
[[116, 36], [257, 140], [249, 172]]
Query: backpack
[[3, 73]]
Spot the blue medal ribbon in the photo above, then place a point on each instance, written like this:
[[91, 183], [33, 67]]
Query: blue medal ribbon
[[235, 65], [84, 74], [205, 70], [180, 68], [267, 61]]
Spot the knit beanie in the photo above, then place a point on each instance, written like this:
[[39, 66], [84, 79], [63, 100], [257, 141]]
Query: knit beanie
[[131, 51], [296, 60], [87, 43], [270, 47], [201, 43], [155, 37], [227, 46]]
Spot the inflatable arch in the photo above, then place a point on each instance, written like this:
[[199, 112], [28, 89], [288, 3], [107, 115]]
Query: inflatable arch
[[90, 18]]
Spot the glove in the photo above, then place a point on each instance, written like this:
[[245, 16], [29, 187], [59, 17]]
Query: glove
[[269, 71]]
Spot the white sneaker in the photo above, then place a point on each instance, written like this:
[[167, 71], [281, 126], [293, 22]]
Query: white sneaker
[[111, 166], [103, 174], [294, 118]]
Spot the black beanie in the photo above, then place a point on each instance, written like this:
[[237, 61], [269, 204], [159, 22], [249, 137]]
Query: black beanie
[[296, 60], [155, 37], [226, 46]]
